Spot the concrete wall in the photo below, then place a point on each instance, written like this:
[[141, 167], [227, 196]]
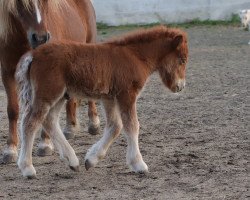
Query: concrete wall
[[120, 12]]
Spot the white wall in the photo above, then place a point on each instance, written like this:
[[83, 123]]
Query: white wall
[[120, 12]]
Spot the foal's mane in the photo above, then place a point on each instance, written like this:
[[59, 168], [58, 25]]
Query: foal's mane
[[9, 7], [147, 35]]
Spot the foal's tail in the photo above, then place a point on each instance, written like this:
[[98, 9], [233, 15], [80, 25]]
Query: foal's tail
[[23, 80]]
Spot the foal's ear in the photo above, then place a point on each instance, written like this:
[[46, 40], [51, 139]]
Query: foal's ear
[[176, 44]]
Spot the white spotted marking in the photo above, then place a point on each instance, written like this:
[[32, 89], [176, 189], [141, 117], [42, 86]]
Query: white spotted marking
[[38, 14]]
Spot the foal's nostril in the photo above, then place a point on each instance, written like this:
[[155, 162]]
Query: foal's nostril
[[178, 89], [34, 37], [180, 85]]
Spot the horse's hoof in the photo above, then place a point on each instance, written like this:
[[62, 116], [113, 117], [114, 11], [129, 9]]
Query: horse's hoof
[[68, 134], [9, 158], [31, 177], [70, 130], [42, 152], [75, 169], [94, 130], [28, 172], [10, 155], [139, 167], [88, 165]]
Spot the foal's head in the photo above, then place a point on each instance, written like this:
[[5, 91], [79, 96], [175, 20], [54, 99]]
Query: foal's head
[[172, 66]]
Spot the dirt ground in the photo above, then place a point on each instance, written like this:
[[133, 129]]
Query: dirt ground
[[196, 143]]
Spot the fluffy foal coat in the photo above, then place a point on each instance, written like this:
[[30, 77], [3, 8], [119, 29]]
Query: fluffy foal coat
[[113, 71]]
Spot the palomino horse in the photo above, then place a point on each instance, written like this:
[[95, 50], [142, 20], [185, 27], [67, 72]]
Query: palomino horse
[[29, 23], [113, 71]]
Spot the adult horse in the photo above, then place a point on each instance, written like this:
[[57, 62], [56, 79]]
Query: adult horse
[[26, 24]]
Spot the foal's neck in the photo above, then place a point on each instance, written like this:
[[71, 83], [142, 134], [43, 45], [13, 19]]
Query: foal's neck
[[148, 52]]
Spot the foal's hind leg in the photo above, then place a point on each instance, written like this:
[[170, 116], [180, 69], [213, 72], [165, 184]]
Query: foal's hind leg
[[72, 124], [111, 131], [94, 122], [52, 126], [30, 124], [10, 152]]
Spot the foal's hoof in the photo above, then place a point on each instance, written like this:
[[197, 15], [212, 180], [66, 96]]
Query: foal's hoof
[[31, 177], [29, 172], [94, 129], [88, 165], [75, 169], [9, 158], [139, 167], [42, 152], [70, 130], [68, 135]]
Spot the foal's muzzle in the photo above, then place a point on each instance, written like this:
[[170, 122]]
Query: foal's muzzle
[[179, 86], [36, 39]]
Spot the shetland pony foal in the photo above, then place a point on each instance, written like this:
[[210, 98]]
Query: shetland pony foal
[[114, 72]]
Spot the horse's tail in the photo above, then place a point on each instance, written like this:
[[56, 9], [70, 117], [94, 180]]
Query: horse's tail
[[23, 80]]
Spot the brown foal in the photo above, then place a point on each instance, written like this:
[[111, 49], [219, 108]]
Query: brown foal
[[113, 71]]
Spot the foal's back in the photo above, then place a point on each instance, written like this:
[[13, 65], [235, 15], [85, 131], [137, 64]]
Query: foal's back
[[96, 68]]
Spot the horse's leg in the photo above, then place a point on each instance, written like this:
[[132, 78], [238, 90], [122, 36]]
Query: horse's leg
[[72, 125], [52, 126], [31, 122], [10, 152], [45, 146], [94, 122], [111, 131], [127, 105]]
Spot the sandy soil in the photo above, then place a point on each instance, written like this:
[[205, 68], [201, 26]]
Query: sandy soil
[[196, 144]]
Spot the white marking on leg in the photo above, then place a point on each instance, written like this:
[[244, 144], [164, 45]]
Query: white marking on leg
[[46, 143], [70, 128], [134, 157], [112, 130], [27, 136], [10, 150], [131, 129], [95, 122], [99, 149], [53, 128], [38, 14], [67, 153]]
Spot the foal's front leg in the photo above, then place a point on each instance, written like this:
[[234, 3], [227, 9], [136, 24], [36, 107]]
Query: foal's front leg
[[131, 128], [111, 131]]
